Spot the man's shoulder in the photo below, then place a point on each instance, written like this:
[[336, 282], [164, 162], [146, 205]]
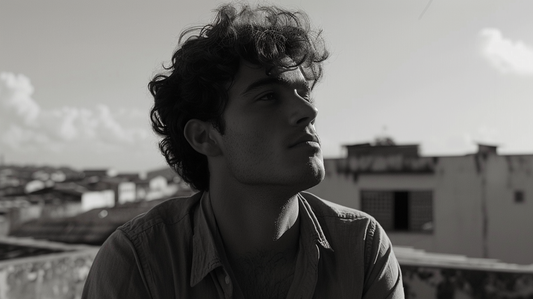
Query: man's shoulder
[[324, 208], [169, 212]]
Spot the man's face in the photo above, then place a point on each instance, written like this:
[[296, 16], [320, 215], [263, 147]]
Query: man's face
[[269, 137]]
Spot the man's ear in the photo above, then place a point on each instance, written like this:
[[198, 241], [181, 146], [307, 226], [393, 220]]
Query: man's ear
[[199, 135]]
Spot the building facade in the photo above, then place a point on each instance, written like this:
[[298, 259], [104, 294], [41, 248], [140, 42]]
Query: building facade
[[478, 205]]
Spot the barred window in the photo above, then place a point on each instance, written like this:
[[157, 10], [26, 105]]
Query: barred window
[[400, 210]]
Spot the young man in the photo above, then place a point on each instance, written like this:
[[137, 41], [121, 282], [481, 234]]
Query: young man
[[237, 119]]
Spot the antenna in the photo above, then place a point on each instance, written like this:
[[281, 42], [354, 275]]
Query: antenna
[[384, 138]]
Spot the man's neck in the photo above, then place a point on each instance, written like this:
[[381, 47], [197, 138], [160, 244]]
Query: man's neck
[[251, 222]]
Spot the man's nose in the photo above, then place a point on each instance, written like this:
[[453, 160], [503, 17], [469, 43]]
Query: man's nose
[[303, 111]]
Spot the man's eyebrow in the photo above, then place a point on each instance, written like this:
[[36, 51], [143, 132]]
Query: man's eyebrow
[[262, 82], [271, 80]]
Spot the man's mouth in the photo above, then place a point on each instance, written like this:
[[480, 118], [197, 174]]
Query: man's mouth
[[307, 139]]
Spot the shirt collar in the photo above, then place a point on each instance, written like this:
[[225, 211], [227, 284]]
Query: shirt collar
[[205, 248], [208, 250], [310, 227]]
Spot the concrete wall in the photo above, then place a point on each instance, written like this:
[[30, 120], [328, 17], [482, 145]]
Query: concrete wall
[[457, 209], [425, 275], [509, 223], [58, 275], [436, 282]]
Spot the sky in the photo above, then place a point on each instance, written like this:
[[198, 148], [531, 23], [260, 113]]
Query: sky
[[442, 74]]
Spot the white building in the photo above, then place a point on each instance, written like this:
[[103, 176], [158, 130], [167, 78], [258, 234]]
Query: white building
[[476, 205], [97, 199]]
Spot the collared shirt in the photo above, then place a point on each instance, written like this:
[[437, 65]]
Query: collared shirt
[[175, 251]]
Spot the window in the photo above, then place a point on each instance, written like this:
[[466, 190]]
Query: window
[[519, 196], [400, 210]]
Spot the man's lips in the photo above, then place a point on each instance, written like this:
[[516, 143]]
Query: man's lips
[[306, 139]]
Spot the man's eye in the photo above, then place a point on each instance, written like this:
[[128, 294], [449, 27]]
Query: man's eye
[[306, 95], [268, 97]]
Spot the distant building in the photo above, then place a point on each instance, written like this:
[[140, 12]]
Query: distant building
[[478, 205], [164, 182], [104, 172], [97, 199], [29, 192], [91, 227], [95, 204]]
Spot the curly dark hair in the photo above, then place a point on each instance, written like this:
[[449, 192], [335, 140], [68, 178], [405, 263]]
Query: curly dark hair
[[195, 84]]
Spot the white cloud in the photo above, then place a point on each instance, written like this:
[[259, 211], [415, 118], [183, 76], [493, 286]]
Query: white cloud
[[25, 126], [15, 98], [506, 55]]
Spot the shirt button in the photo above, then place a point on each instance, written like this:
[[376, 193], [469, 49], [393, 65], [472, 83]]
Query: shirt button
[[226, 279]]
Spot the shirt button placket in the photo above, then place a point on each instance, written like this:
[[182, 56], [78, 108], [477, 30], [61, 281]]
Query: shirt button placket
[[226, 285]]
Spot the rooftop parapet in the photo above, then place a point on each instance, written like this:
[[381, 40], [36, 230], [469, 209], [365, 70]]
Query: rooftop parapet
[[45, 270], [433, 275]]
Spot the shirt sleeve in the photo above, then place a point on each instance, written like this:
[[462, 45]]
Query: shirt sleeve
[[116, 272], [383, 279]]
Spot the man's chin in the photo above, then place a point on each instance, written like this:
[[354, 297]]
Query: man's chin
[[317, 180], [314, 177]]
